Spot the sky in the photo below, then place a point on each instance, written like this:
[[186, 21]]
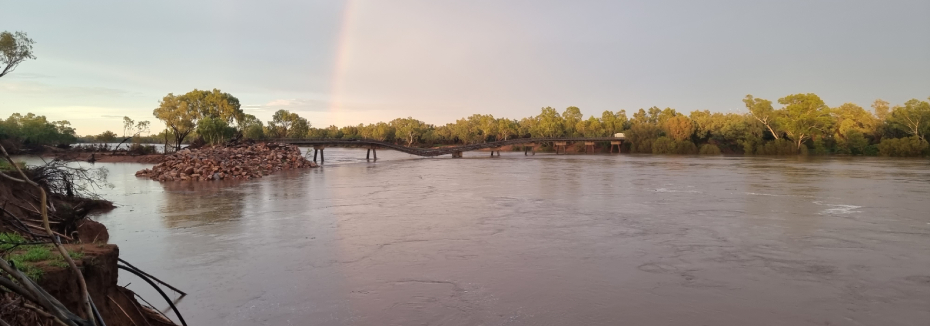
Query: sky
[[354, 61]]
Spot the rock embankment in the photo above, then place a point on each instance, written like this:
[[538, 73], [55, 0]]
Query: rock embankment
[[227, 163]]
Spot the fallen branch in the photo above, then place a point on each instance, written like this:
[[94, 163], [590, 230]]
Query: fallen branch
[[85, 296]]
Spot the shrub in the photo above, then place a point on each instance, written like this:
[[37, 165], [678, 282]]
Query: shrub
[[139, 149], [666, 145], [709, 149], [779, 147], [903, 147]]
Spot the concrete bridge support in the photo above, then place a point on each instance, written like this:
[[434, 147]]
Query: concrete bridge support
[[320, 150], [615, 143], [588, 144], [532, 146], [371, 150], [562, 144]]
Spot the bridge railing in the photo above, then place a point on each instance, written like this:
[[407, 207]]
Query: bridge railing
[[441, 150]]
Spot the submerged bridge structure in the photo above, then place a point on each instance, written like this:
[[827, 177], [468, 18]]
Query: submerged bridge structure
[[456, 151]]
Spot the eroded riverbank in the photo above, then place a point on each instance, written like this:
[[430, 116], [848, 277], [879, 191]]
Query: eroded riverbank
[[507, 241]]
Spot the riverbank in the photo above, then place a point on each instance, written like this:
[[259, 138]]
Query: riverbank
[[27, 245], [117, 157]]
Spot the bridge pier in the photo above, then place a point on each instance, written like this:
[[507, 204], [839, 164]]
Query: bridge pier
[[588, 144], [319, 149], [615, 143], [562, 144], [526, 150]]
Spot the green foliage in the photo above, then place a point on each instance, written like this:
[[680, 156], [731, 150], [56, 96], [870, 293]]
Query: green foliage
[[105, 137], [25, 256], [36, 253], [779, 147], [251, 127], [182, 114], [912, 119], [709, 149], [10, 240], [762, 111], [287, 124], [803, 124], [31, 129], [139, 149], [666, 145], [903, 147], [14, 49], [76, 255], [642, 136], [804, 116], [679, 127], [214, 130]]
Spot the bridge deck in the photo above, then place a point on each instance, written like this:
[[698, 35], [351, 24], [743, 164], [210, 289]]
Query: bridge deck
[[438, 151]]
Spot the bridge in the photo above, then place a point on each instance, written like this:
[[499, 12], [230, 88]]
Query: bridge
[[456, 151]]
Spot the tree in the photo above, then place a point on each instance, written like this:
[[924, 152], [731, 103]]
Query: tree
[[642, 136], [128, 125], [570, 117], [106, 137], [382, 131], [593, 128], [881, 108], [486, 124], [299, 128], [281, 122], [251, 127], [182, 113], [549, 123], [762, 111], [134, 129], [14, 49], [852, 124], [679, 127], [804, 116], [215, 104], [465, 130], [613, 122], [506, 128], [408, 129], [528, 126], [36, 130], [214, 130], [178, 117], [912, 118]]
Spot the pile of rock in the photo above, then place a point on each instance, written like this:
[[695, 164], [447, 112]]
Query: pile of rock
[[222, 163]]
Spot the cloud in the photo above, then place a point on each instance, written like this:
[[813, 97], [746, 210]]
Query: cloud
[[291, 105], [28, 75], [37, 89]]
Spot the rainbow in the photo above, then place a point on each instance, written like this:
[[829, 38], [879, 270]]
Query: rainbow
[[340, 65]]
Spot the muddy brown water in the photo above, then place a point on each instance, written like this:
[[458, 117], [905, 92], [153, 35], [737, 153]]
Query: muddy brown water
[[539, 240]]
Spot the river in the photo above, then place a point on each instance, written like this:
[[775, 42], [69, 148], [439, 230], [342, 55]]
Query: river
[[539, 240]]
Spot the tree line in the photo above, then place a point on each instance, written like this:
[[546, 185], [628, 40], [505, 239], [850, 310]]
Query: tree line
[[802, 124]]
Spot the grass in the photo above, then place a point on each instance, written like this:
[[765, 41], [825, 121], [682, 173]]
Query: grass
[[5, 166], [27, 256]]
